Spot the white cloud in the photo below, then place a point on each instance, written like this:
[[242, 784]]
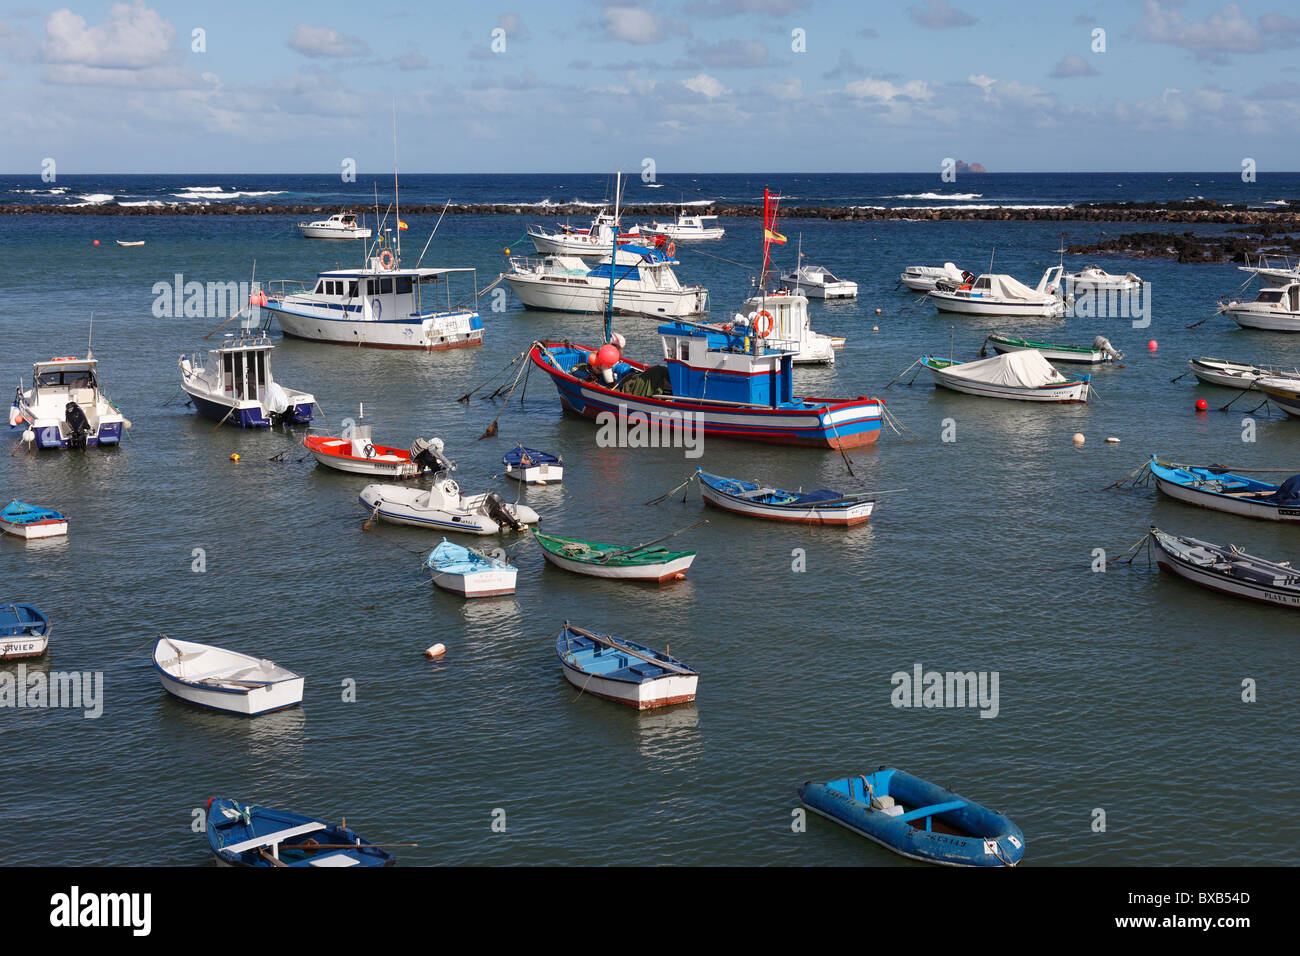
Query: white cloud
[[133, 37], [1225, 30], [882, 91], [322, 41], [634, 25], [705, 85], [1073, 65]]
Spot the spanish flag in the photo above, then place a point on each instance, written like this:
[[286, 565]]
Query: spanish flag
[[402, 226], [772, 236]]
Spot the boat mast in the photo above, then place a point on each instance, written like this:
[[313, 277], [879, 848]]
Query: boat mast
[[397, 202], [613, 260]]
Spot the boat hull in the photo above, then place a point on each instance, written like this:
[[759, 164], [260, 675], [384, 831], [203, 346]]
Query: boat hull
[[247, 416], [323, 232], [962, 305], [1210, 580], [252, 703], [662, 692], [14, 648], [1226, 374], [51, 435], [806, 514], [832, 424], [1064, 393], [467, 520], [667, 571], [1069, 356], [429, 334], [1285, 398], [536, 474], [495, 583], [537, 293], [48, 528], [1215, 501], [1271, 320]]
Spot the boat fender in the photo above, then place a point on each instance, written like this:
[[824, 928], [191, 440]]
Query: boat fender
[[763, 328], [436, 651]]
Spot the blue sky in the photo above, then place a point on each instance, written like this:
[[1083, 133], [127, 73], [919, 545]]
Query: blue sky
[[702, 86]]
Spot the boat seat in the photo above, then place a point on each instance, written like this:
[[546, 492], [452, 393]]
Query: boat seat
[[931, 811], [334, 859], [886, 802]]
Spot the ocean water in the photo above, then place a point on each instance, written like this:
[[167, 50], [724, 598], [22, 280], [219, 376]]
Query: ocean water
[[1118, 690]]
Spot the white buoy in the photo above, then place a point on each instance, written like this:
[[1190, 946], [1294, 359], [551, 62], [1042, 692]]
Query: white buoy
[[1112, 440], [1078, 438], [435, 652], [29, 436]]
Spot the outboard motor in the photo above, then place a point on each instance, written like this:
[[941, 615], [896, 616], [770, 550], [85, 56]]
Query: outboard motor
[[427, 454], [496, 510], [78, 425], [1102, 344]]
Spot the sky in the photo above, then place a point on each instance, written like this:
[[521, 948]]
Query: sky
[[698, 86]]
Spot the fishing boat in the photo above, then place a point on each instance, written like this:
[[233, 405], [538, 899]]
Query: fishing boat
[[66, 406], [917, 819], [228, 681], [1001, 294], [1213, 371], [923, 278], [720, 381], [130, 243], [444, 508], [27, 521], [1227, 569], [623, 671], [532, 467], [818, 282], [600, 560], [244, 835], [1276, 309], [687, 227], [781, 317], [1100, 352], [1283, 391], [755, 500], [643, 277], [341, 225], [233, 384], [1022, 375], [24, 631], [470, 573], [1097, 279], [1221, 490]]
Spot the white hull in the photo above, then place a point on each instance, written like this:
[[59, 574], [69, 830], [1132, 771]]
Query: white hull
[[449, 331], [1094, 357], [1233, 506], [12, 648], [537, 474], [919, 283], [566, 244], [326, 232], [398, 505], [811, 515], [373, 468], [222, 680], [1077, 392], [260, 701], [1224, 585], [537, 292], [839, 290], [966, 305], [685, 235], [670, 689], [1228, 376], [44, 529], [1272, 320], [495, 583], [655, 572]]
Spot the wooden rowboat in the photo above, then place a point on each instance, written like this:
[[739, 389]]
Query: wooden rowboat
[[532, 467], [774, 504], [228, 681], [1214, 371], [470, 573], [28, 521], [1023, 376], [241, 835], [1227, 569], [1221, 490], [24, 631], [600, 560], [623, 671], [1101, 350]]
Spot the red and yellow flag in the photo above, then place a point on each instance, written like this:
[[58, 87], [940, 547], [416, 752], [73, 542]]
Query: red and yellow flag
[[401, 226], [771, 235]]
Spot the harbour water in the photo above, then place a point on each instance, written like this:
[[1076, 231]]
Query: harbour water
[[1120, 691]]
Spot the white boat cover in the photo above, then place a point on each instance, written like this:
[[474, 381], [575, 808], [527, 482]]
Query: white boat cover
[[277, 400], [1020, 369], [1008, 287]]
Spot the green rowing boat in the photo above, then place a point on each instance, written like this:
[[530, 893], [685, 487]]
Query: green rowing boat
[[601, 560], [1100, 352]]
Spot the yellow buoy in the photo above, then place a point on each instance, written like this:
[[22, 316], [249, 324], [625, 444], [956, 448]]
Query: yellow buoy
[[435, 652], [234, 457], [506, 250], [877, 311], [875, 328]]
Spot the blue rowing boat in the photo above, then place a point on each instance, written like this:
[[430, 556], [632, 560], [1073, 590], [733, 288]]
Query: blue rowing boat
[[623, 671], [775, 504], [29, 521], [1220, 490], [531, 466], [256, 836], [917, 819], [24, 631]]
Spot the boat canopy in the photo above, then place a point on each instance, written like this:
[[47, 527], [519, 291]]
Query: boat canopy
[[1020, 369], [1288, 493]]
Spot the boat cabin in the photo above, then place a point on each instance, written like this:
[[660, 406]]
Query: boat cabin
[[1285, 298], [378, 293], [78, 377], [242, 369], [716, 364]]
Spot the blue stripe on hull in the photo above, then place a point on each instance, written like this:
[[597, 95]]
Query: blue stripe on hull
[[49, 437], [247, 417]]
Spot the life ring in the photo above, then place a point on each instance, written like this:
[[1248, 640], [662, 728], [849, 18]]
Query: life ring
[[965, 287], [671, 249], [386, 259], [368, 451], [763, 331]]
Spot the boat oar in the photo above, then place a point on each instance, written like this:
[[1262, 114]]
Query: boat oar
[[904, 372], [642, 547], [611, 643], [274, 861]]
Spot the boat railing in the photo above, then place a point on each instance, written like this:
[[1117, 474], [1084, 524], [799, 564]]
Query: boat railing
[[279, 288]]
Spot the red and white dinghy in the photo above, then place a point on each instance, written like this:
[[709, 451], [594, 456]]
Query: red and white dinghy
[[359, 455]]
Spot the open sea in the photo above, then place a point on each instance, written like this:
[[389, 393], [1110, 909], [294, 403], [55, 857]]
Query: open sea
[[1119, 691]]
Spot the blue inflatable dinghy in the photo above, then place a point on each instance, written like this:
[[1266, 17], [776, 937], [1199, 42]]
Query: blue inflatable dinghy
[[917, 819]]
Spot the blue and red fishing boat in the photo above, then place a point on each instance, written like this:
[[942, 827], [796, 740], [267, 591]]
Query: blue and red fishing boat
[[726, 381]]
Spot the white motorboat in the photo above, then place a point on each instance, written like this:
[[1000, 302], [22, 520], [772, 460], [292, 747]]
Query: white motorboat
[[341, 225], [644, 282], [1021, 375], [1283, 391], [1275, 270], [817, 282], [357, 454], [1000, 294], [234, 385], [781, 319], [1277, 309], [224, 680], [687, 228], [1097, 279], [1213, 371], [65, 407], [444, 508], [923, 278]]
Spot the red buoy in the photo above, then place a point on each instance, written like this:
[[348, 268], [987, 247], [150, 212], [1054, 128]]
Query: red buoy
[[1152, 345], [96, 242], [1202, 404]]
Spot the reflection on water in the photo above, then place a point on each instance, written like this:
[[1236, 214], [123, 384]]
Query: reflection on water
[[669, 737], [282, 733]]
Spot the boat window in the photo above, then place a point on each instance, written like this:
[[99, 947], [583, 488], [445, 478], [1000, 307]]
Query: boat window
[[259, 370], [227, 369], [320, 290], [352, 289], [403, 285], [381, 286], [1271, 295], [981, 283]]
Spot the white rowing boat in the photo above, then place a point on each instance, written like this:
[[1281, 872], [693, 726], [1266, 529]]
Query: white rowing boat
[[223, 680]]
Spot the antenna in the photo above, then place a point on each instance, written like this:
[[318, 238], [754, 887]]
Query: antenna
[[397, 202], [90, 339]]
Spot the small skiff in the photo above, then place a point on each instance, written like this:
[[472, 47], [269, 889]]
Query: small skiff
[[763, 501], [1283, 391], [1022, 376], [358, 455], [1228, 570], [24, 631], [224, 680], [923, 278], [444, 508], [1100, 352], [599, 560], [1238, 375], [123, 242], [469, 573], [1221, 490], [240, 835], [623, 671], [532, 467], [917, 819], [28, 521]]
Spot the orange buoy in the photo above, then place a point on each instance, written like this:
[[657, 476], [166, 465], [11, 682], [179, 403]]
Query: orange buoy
[[435, 652], [96, 242]]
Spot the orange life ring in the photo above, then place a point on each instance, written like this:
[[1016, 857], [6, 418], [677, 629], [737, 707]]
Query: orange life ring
[[386, 259], [671, 249], [763, 331], [965, 287]]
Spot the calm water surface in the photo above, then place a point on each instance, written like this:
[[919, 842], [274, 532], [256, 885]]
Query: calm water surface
[[1118, 690]]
